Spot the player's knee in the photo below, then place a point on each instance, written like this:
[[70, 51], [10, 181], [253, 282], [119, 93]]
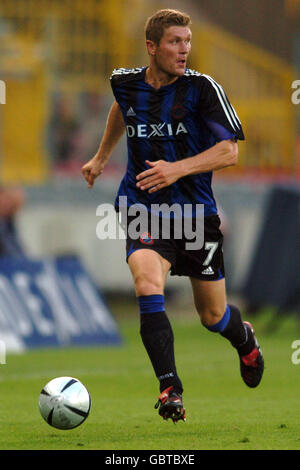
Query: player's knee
[[210, 316], [147, 286]]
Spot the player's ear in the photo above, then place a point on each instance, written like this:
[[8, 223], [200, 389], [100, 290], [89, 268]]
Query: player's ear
[[151, 47]]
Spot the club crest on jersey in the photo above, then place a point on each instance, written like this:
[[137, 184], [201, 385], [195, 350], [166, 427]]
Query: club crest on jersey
[[178, 111], [161, 129], [146, 238]]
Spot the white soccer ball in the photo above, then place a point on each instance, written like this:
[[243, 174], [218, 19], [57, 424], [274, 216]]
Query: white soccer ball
[[64, 403]]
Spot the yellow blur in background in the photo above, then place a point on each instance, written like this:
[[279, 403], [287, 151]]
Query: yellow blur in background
[[56, 57]]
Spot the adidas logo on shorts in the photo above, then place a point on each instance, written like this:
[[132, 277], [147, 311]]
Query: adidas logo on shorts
[[208, 271]]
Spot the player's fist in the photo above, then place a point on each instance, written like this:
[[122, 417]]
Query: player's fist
[[92, 169]]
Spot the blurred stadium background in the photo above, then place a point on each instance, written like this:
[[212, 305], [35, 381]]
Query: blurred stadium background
[[56, 57]]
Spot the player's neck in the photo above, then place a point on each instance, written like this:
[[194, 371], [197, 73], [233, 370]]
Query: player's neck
[[158, 78]]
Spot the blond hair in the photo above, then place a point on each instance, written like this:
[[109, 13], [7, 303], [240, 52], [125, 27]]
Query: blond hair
[[156, 24]]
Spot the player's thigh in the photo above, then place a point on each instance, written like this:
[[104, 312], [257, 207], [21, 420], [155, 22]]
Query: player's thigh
[[210, 299], [149, 271]]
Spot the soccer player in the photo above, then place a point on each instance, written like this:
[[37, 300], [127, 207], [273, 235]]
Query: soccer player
[[180, 128]]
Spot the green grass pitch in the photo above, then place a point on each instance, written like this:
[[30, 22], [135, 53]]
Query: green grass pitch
[[222, 413]]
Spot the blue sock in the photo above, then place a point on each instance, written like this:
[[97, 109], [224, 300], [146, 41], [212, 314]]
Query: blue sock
[[151, 303]]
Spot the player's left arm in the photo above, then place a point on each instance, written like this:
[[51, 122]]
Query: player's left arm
[[162, 173]]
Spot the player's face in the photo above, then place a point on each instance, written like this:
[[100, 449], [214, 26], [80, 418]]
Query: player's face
[[172, 52]]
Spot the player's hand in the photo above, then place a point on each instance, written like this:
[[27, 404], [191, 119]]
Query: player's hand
[[160, 175], [92, 169]]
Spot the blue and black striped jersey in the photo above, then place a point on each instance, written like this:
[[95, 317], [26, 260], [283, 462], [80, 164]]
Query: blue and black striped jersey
[[174, 122]]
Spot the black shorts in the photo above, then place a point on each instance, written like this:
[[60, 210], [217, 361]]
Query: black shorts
[[206, 263]]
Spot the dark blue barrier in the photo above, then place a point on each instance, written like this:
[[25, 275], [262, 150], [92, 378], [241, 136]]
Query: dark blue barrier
[[274, 274], [52, 302]]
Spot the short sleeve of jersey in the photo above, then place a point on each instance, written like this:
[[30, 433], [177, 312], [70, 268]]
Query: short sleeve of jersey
[[217, 111], [114, 82], [121, 77]]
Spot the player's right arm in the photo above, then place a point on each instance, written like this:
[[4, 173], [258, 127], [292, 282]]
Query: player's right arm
[[114, 129]]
